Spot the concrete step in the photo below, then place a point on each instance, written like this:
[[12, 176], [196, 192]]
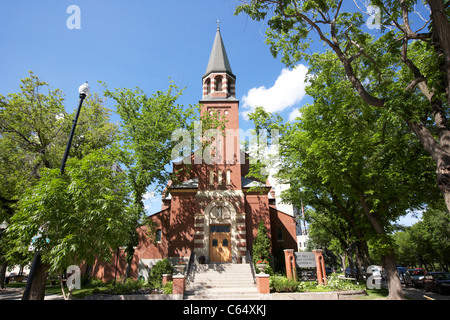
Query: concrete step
[[222, 290], [246, 296], [223, 266], [222, 282], [203, 277]]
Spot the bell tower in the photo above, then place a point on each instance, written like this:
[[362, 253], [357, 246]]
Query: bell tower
[[220, 198], [219, 97]]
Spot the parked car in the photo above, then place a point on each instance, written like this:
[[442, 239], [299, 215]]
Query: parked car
[[401, 273], [414, 277], [437, 281], [329, 270]]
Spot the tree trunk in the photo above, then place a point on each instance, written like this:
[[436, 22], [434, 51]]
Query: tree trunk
[[343, 257], [441, 27], [351, 265], [394, 284], [359, 274], [389, 259], [446, 194], [3, 268], [62, 288], [37, 291], [364, 252], [127, 271]]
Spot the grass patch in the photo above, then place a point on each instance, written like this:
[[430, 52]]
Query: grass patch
[[96, 286], [375, 294]]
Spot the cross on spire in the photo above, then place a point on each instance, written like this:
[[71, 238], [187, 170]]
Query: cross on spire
[[218, 22]]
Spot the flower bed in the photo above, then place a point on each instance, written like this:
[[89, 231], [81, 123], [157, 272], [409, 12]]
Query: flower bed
[[282, 284]]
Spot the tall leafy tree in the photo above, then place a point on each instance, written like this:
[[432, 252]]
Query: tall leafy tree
[[426, 243], [73, 218], [34, 130], [347, 152], [419, 95], [147, 124]]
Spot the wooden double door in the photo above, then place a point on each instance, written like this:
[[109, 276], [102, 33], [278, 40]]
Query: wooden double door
[[220, 243]]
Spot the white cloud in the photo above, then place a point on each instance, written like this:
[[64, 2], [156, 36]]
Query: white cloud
[[288, 90], [294, 115], [148, 195]]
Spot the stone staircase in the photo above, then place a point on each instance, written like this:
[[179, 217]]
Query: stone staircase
[[223, 281]]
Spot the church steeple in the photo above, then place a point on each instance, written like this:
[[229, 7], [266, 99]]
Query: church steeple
[[218, 61], [219, 81]]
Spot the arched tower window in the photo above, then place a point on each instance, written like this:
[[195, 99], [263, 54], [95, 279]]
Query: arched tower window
[[208, 86], [218, 81]]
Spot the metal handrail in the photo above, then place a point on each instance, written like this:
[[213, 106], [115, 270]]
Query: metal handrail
[[248, 259], [190, 268]]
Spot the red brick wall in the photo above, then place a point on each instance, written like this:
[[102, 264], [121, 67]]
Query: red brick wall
[[256, 209], [287, 224], [180, 234], [145, 250]]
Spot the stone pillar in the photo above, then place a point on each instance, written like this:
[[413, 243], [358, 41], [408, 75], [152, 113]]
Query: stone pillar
[[179, 284], [289, 259], [166, 278], [262, 283], [320, 265], [225, 84]]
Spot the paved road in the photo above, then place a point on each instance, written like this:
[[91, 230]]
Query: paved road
[[421, 294]]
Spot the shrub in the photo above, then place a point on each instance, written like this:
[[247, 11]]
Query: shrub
[[168, 287], [283, 284], [261, 245], [129, 286], [336, 284], [161, 267]]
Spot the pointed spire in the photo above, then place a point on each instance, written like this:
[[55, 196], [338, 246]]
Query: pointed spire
[[218, 61]]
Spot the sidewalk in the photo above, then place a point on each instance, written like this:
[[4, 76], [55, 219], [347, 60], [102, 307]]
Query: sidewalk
[[16, 294]]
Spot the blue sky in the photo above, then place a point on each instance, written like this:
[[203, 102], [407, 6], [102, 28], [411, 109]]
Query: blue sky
[[127, 44], [141, 43]]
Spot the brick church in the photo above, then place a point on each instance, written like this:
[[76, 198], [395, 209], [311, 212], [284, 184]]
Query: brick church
[[211, 211]]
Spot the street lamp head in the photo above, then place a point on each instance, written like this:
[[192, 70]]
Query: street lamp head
[[83, 90]]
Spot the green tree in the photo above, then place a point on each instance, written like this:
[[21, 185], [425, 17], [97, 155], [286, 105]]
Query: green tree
[[261, 244], [402, 69], [426, 243], [72, 218], [34, 129], [342, 151], [147, 125]]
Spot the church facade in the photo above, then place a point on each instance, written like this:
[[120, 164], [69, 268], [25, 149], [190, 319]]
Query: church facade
[[212, 210]]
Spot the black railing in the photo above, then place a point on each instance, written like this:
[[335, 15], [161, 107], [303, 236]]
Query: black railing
[[248, 259], [190, 272]]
